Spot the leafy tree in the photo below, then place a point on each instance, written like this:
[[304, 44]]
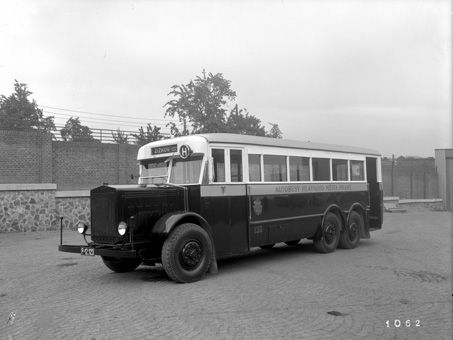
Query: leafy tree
[[120, 137], [240, 121], [275, 131], [75, 131], [151, 134], [17, 112], [202, 106]]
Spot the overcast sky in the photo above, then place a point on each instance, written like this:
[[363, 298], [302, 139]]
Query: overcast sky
[[375, 74]]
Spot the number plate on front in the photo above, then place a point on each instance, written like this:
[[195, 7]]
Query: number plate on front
[[87, 251]]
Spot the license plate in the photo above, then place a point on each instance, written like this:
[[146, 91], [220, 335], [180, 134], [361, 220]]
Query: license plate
[[87, 251]]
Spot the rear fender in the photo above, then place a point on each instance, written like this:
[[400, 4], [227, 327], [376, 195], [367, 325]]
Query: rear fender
[[365, 230], [333, 208]]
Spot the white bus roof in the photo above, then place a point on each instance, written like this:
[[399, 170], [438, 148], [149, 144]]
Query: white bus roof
[[229, 138]]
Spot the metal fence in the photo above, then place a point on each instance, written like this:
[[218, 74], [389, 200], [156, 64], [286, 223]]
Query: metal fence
[[107, 135]]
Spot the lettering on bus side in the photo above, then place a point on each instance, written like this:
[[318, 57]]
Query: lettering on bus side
[[313, 188]]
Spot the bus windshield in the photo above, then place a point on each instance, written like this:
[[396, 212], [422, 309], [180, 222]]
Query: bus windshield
[[183, 171]]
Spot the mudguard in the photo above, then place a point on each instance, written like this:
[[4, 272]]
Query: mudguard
[[169, 221], [365, 231]]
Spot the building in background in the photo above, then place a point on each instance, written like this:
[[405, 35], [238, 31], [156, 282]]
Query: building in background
[[444, 165]]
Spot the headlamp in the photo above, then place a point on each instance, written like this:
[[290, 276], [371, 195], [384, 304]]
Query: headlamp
[[82, 227], [122, 228]]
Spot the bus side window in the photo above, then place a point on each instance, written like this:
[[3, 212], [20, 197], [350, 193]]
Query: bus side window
[[357, 171], [274, 168], [321, 169], [218, 157], [255, 168], [340, 169], [236, 165], [299, 169]]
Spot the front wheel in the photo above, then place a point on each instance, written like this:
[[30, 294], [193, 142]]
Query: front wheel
[[350, 236], [187, 253], [329, 237], [121, 265]]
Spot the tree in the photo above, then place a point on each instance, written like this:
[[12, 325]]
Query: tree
[[17, 112], [120, 137], [151, 134], [75, 131], [202, 106], [240, 121], [275, 131], [201, 103]]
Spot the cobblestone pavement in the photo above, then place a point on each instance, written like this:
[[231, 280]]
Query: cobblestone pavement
[[404, 272]]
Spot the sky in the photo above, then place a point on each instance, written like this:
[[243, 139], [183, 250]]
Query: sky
[[374, 74]]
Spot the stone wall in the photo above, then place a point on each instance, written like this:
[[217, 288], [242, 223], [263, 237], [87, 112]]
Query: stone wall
[[27, 207], [38, 207], [73, 206]]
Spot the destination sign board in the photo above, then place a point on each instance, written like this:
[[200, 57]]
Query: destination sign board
[[164, 149]]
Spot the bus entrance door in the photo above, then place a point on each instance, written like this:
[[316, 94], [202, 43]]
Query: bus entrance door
[[375, 192]]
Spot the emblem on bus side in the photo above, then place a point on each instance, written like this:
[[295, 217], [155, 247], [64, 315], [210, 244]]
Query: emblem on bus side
[[184, 151], [257, 206]]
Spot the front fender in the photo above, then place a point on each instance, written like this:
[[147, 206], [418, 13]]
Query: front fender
[[169, 221]]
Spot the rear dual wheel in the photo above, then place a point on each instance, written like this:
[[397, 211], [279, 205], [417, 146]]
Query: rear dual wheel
[[329, 236], [350, 235]]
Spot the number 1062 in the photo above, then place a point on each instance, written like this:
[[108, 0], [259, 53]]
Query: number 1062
[[402, 323]]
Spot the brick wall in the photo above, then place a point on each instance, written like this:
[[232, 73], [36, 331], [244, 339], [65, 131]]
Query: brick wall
[[32, 157], [25, 157], [84, 165]]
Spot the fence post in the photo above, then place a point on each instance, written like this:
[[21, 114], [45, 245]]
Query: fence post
[[392, 174], [424, 184], [412, 177]]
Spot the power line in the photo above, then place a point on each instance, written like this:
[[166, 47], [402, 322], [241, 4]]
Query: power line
[[102, 120], [100, 114]]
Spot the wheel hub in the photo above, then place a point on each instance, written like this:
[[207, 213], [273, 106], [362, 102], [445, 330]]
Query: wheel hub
[[353, 231], [329, 233], [191, 254]]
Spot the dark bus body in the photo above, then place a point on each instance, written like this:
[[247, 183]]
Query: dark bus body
[[228, 218]]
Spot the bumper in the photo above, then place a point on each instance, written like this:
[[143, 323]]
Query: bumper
[[117, 253]]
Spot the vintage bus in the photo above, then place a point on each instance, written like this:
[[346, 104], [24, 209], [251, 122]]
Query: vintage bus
[[210, 196]]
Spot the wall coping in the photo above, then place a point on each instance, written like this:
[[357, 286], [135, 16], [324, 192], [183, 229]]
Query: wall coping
[[28, 187], [72, 193], [420, 200]]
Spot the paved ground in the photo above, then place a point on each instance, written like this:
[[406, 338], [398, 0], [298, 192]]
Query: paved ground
[[404, 272]]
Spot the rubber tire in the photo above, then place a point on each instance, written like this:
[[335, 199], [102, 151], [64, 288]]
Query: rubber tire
[[121, 265], [292, 243], [268, 246], [320, 243], [172, 247], [345, 240]]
